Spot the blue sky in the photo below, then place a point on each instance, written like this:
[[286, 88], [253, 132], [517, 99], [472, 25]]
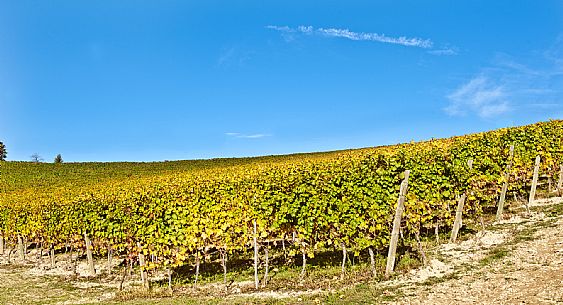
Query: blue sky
[[167, 80]]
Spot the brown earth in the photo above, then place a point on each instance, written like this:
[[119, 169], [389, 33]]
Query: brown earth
[[517, 261]]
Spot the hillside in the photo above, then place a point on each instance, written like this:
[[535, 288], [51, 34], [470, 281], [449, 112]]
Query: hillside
[[17, 175], [294, 213]]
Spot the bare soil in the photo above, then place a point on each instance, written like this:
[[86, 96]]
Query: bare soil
[[517, 261]]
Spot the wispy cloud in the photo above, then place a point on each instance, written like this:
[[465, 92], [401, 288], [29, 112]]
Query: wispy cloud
[[234, 56], [444, 51], [246, 136], [479, 95], [281, 28], [530, 83], [356, 36], [544, 105], [555, 54]]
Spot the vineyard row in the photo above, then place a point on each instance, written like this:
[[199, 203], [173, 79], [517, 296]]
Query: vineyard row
[[348, 200]]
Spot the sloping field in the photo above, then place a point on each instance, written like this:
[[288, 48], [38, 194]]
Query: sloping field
[[287, 215]]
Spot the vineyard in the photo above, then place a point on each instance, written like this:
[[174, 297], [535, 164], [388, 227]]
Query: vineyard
[[162, 216]]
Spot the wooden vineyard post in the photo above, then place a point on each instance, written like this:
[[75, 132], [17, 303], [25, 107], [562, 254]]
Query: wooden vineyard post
[[505, 184], [110, 257], [534, 184], [169, 273], [396, 226], [344, 255], [89, 254], [197, 263], [304, 264], [21, 249], [458, 215], [459, 210], [255, 256], [144, 278], [52, 256], [2, 243], [560, 181], [372, 261], [224, 264], [267, 265]]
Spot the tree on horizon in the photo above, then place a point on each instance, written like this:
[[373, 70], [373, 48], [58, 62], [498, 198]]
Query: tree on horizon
[[36, 158], [58, 159], [3, 152]]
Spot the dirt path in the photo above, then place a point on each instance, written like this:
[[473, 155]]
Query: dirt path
[[518, 261]]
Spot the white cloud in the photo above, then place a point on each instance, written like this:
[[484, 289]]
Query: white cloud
[[555, 55], [527, 84], [255, 136], [481, 96], [544, 105], [489, 110], [246, 136], [226, 56], [446, 51], [356, 36], [280, 28], [233, 57], [305, 29]]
